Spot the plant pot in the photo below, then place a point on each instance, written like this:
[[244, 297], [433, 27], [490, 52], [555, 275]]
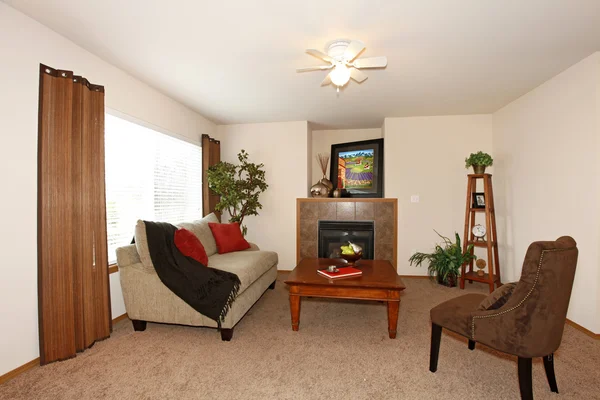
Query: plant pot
[[479, 169], [450, 281]]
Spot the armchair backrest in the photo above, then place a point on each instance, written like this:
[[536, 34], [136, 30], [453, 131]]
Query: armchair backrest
[[542, 295]]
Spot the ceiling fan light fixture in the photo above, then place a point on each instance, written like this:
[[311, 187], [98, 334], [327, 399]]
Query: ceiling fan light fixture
[[340, 75], [344, 62]]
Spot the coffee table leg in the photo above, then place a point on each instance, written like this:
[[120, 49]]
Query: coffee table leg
[[392, 308], [295, 310]]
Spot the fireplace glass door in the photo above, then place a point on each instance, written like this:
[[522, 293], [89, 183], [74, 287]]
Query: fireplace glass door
[[333, 234]]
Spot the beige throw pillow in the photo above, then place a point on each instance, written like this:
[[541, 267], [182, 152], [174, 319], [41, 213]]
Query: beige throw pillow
[[202, 231]]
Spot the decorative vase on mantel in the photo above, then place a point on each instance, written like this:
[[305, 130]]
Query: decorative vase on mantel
[[327, 183], [316, 190], [319, 190]]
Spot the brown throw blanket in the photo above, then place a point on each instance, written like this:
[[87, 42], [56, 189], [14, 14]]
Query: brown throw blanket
[[209, 291]]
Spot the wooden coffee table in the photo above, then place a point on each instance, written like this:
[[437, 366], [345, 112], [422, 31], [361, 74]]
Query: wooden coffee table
[[379, 281]]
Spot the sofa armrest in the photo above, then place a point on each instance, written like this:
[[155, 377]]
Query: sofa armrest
[[253, 247], [127, 256]]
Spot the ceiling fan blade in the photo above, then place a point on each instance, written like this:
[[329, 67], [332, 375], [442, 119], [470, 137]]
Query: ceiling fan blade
[[327, 80], [306, 69], [353, 50], [319, 54], [371, 62], [357, 75]]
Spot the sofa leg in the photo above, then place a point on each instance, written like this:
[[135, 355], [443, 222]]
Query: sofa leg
[[524, 367], [471, 344], [272, 285], [436, 337], [138, 325], [226, 334], [549, 367]]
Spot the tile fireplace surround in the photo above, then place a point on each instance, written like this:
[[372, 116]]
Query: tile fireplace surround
[[384, 212]]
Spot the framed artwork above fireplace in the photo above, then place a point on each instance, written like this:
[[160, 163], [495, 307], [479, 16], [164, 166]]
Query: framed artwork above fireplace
[[357, 167]]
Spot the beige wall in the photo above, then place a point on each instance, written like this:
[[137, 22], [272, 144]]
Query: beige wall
[[547, 151], [322, 141], [282, 147], [25, 44], [424, 156]]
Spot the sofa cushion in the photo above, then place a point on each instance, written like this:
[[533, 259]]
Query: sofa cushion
[[228, 237], [247, 265], [189, 245], [141, 244], [203, 233]]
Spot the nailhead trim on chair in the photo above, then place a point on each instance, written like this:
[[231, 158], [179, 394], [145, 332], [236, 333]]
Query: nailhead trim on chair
[[537, 275]]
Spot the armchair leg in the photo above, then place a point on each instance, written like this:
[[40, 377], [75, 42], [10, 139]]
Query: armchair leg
[[272, 286], [525, 385], [436, 337], [471, 344], [549, 367], [226, 334]]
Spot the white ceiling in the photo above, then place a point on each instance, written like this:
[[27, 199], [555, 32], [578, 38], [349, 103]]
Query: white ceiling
[[234, 61]]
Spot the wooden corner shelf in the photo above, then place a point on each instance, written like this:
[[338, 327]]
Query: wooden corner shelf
[[492, 277], [472, 276], [478, 210], [479, 243]]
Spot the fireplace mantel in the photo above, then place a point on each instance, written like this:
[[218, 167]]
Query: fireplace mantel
[[384, 213]]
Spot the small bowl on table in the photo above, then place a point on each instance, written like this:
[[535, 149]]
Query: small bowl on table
[[351, 259]]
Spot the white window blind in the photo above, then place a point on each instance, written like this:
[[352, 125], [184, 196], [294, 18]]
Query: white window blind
[[149, 176]]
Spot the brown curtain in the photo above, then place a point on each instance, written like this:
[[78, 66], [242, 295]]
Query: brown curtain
[[73, 288], [211, 154]]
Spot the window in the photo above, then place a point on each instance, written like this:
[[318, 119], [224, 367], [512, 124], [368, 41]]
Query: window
[[150, 176]]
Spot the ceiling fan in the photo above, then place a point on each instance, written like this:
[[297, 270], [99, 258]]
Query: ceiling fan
[[342, 56]]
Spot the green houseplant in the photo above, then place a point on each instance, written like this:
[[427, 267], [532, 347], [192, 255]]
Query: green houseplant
[[445, 261], [239, 187], [479, 161]]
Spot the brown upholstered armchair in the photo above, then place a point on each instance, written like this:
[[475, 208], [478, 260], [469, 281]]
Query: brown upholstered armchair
[[525, 319]]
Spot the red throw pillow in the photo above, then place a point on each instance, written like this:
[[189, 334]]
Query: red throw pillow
[[228, 237], [189, 245]]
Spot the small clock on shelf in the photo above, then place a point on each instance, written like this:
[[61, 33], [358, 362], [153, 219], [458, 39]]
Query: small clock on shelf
[[479, 232]]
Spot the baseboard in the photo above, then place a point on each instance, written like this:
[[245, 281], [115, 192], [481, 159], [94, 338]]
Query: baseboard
[[34, 363], [583, 330], [18, 371], [119, 318]]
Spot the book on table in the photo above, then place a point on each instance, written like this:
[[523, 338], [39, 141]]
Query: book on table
[[343, 272]]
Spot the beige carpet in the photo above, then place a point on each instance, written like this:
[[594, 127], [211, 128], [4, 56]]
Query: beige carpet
[[342, 351]]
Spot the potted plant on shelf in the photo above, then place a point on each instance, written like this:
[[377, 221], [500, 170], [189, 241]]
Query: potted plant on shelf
[[238, 187], [479, 161], [445, 261]]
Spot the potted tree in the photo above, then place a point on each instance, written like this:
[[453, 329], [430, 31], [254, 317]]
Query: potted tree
[[479, 161], [445, 261], [238, 187]]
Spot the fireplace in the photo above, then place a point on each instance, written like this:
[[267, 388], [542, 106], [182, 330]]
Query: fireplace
[[383, 213], [333, 234]]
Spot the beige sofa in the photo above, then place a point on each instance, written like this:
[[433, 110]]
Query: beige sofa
[[148, 299]]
